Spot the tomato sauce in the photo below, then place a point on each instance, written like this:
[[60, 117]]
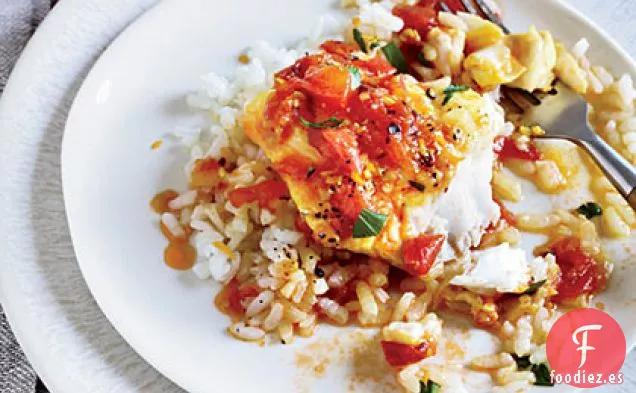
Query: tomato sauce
[[506, 215], [265, 193], [159, 203], [205, 173], [230, 299], [401, 355], [580, 273]]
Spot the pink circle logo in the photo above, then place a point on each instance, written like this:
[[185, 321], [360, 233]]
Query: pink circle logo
[[586, 348]]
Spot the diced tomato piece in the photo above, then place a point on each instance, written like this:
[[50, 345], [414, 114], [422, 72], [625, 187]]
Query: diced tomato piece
[[338, 146], [580, 273], [265, 193], [234, 295], [296, 166], [506, 214], [420, 253], [339, 48], [234, 298], [205, 173], [342, 295], [401, 355], [507, 148], [420, 17], [329, 84]]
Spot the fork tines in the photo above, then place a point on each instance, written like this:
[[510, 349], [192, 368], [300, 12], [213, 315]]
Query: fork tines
[[484, 8]]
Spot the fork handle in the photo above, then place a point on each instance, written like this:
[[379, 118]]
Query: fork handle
[[617, 169]]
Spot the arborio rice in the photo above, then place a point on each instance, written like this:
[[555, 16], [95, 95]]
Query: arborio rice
[[279, 284]]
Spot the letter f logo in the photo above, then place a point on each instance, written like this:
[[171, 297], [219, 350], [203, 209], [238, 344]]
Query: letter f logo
[[583, 344]]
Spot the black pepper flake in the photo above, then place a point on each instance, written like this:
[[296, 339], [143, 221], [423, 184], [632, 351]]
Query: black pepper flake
[[434, 174], [394, 129], [390, 112], [318, 215], [319, 272], [332, 188], [222, 161], [310, 171], [347, 161], [418, 186], [332, 240], [430, 94], [283, 342], [322, 235]]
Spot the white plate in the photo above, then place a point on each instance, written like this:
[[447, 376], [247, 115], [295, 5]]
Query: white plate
[[117, 369], [134, 96]]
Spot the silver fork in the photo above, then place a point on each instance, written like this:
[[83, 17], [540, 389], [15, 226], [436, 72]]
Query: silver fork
[[563, 115]]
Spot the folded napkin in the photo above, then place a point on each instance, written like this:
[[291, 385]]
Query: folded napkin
[[18, 20]]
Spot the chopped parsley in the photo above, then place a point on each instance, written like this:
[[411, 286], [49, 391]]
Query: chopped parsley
[[533, 288], [430, 387], [356, 77], [359, 39], [395, 56], [541, 371], [368, 224], [590, 210], [374, 45], [329, 123], [418, 186], [542, 375], [451, 90]]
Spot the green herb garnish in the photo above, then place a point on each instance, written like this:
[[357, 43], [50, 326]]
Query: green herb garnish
[[329, 123], [369, 224], [451, 90], [310, 171], [395, 56], [418, 186], [356, 77], [357, 36], [541, 371], [542, 375], [430, 387], [590, 210], [522, 361], [533, 288], [374, 45], [423, 61]]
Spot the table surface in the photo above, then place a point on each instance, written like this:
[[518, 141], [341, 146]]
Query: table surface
[[617, 18]]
